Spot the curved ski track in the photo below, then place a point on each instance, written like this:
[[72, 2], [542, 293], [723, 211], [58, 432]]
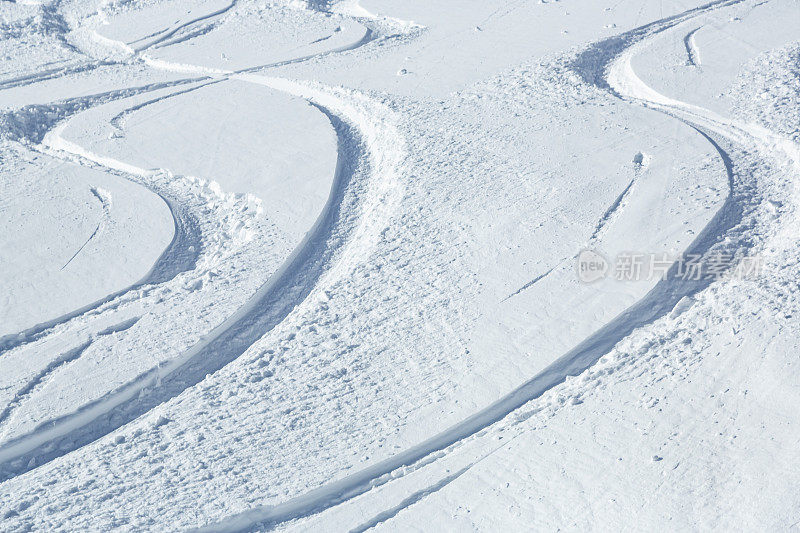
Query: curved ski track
[[365, 190], [180, 254], [185, 233], [186, 238], [692, 52], [598, 65]]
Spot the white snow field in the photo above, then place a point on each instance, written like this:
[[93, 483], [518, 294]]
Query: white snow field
[[351, 265]]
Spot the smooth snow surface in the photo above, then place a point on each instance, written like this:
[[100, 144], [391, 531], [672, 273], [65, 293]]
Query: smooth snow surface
[[354, 265]]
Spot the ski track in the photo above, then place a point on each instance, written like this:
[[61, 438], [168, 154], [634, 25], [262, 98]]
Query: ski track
[[313, 260], [121, 326], [174, 259], [48, 74], [613, 210], [416, 497], [692, 51], [162, 40], [407, 502], [274, 301], [41, 378], [316, 256], [369, 36], [179, 256], [604, 221], [532, 282], [104, 218], [592, 65], [118, 120]]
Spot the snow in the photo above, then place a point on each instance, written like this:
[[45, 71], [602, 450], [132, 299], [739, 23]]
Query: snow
[[97, 244], [259, 155], [305, 265]]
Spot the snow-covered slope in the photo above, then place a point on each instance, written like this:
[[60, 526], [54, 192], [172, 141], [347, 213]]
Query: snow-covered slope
[[404, 265]]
